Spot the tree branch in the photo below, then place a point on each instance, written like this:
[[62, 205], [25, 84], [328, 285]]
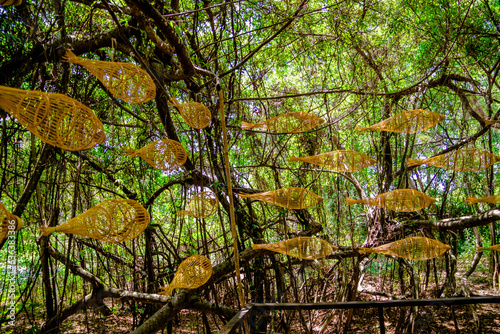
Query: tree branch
[[159, 320], [54, 52], [33, 181], [254, 51], [130, 194], [168, 31], [458, 223], [75, 269]]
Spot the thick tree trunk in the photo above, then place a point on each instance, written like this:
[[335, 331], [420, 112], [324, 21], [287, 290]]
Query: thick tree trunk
[[47, 284]]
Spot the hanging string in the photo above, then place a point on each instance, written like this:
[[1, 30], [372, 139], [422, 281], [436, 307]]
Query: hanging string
[[230, 194]]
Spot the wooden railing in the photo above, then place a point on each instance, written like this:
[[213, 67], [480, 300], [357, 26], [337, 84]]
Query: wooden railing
[[246, 317]]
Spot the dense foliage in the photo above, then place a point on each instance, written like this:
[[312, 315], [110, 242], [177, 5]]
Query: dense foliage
[[353, 63]]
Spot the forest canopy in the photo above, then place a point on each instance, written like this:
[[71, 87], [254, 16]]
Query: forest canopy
[[351, 63]]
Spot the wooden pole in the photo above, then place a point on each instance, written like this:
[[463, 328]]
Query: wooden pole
[[230, 194]]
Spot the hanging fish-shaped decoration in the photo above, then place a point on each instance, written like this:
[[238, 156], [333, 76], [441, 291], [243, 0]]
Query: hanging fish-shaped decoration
[[292, 122], [493, 248], [307, 248], [411, 121], [163, 154], [401, 200], [201, 205], [114, 220], [290, 198], [495, 199], [339, 161], [192, 273], [55, 119], [5, 3], [125, 81], [7, 220], [195, 114], [414, 248], [464, 160]]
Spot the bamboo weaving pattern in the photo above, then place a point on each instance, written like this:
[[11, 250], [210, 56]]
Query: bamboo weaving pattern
[[125, 81], [307, 248], [195, 114], [411, 121], [192, 273], [495, 199], [339, 161], [493, 248], [114, 220], [163, 154], [401, 200], [414, 248], [5, 3], [55, 119], [290, 198], [6, 218], [292, 122], [201, 205], [464, 160]]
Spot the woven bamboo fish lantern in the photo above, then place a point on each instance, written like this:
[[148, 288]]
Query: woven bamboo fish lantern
[[411, 121], [55, 119], [125, 81], [401, 200], [339, 161], [114, 220], [307, 248], [201, 205], [195, 114], [495, 199], [192, 273], [163, 154], [292, 122], [290, 198], [465, 160], [8, 219], [493, 248], [414, 248], [5, 3]]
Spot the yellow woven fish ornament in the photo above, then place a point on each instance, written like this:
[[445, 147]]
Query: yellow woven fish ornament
[[493, 248], [290, 198], [192, 273], [114, 220], [339, 161], [401, 200], [495, 199], [125, 81], [414, 248], [55, 119], [411, 121], [195, 114], [201, 205], [163, 154], [307, 248], [292, 122], [464, 160], [5, 3], [7, 220]]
